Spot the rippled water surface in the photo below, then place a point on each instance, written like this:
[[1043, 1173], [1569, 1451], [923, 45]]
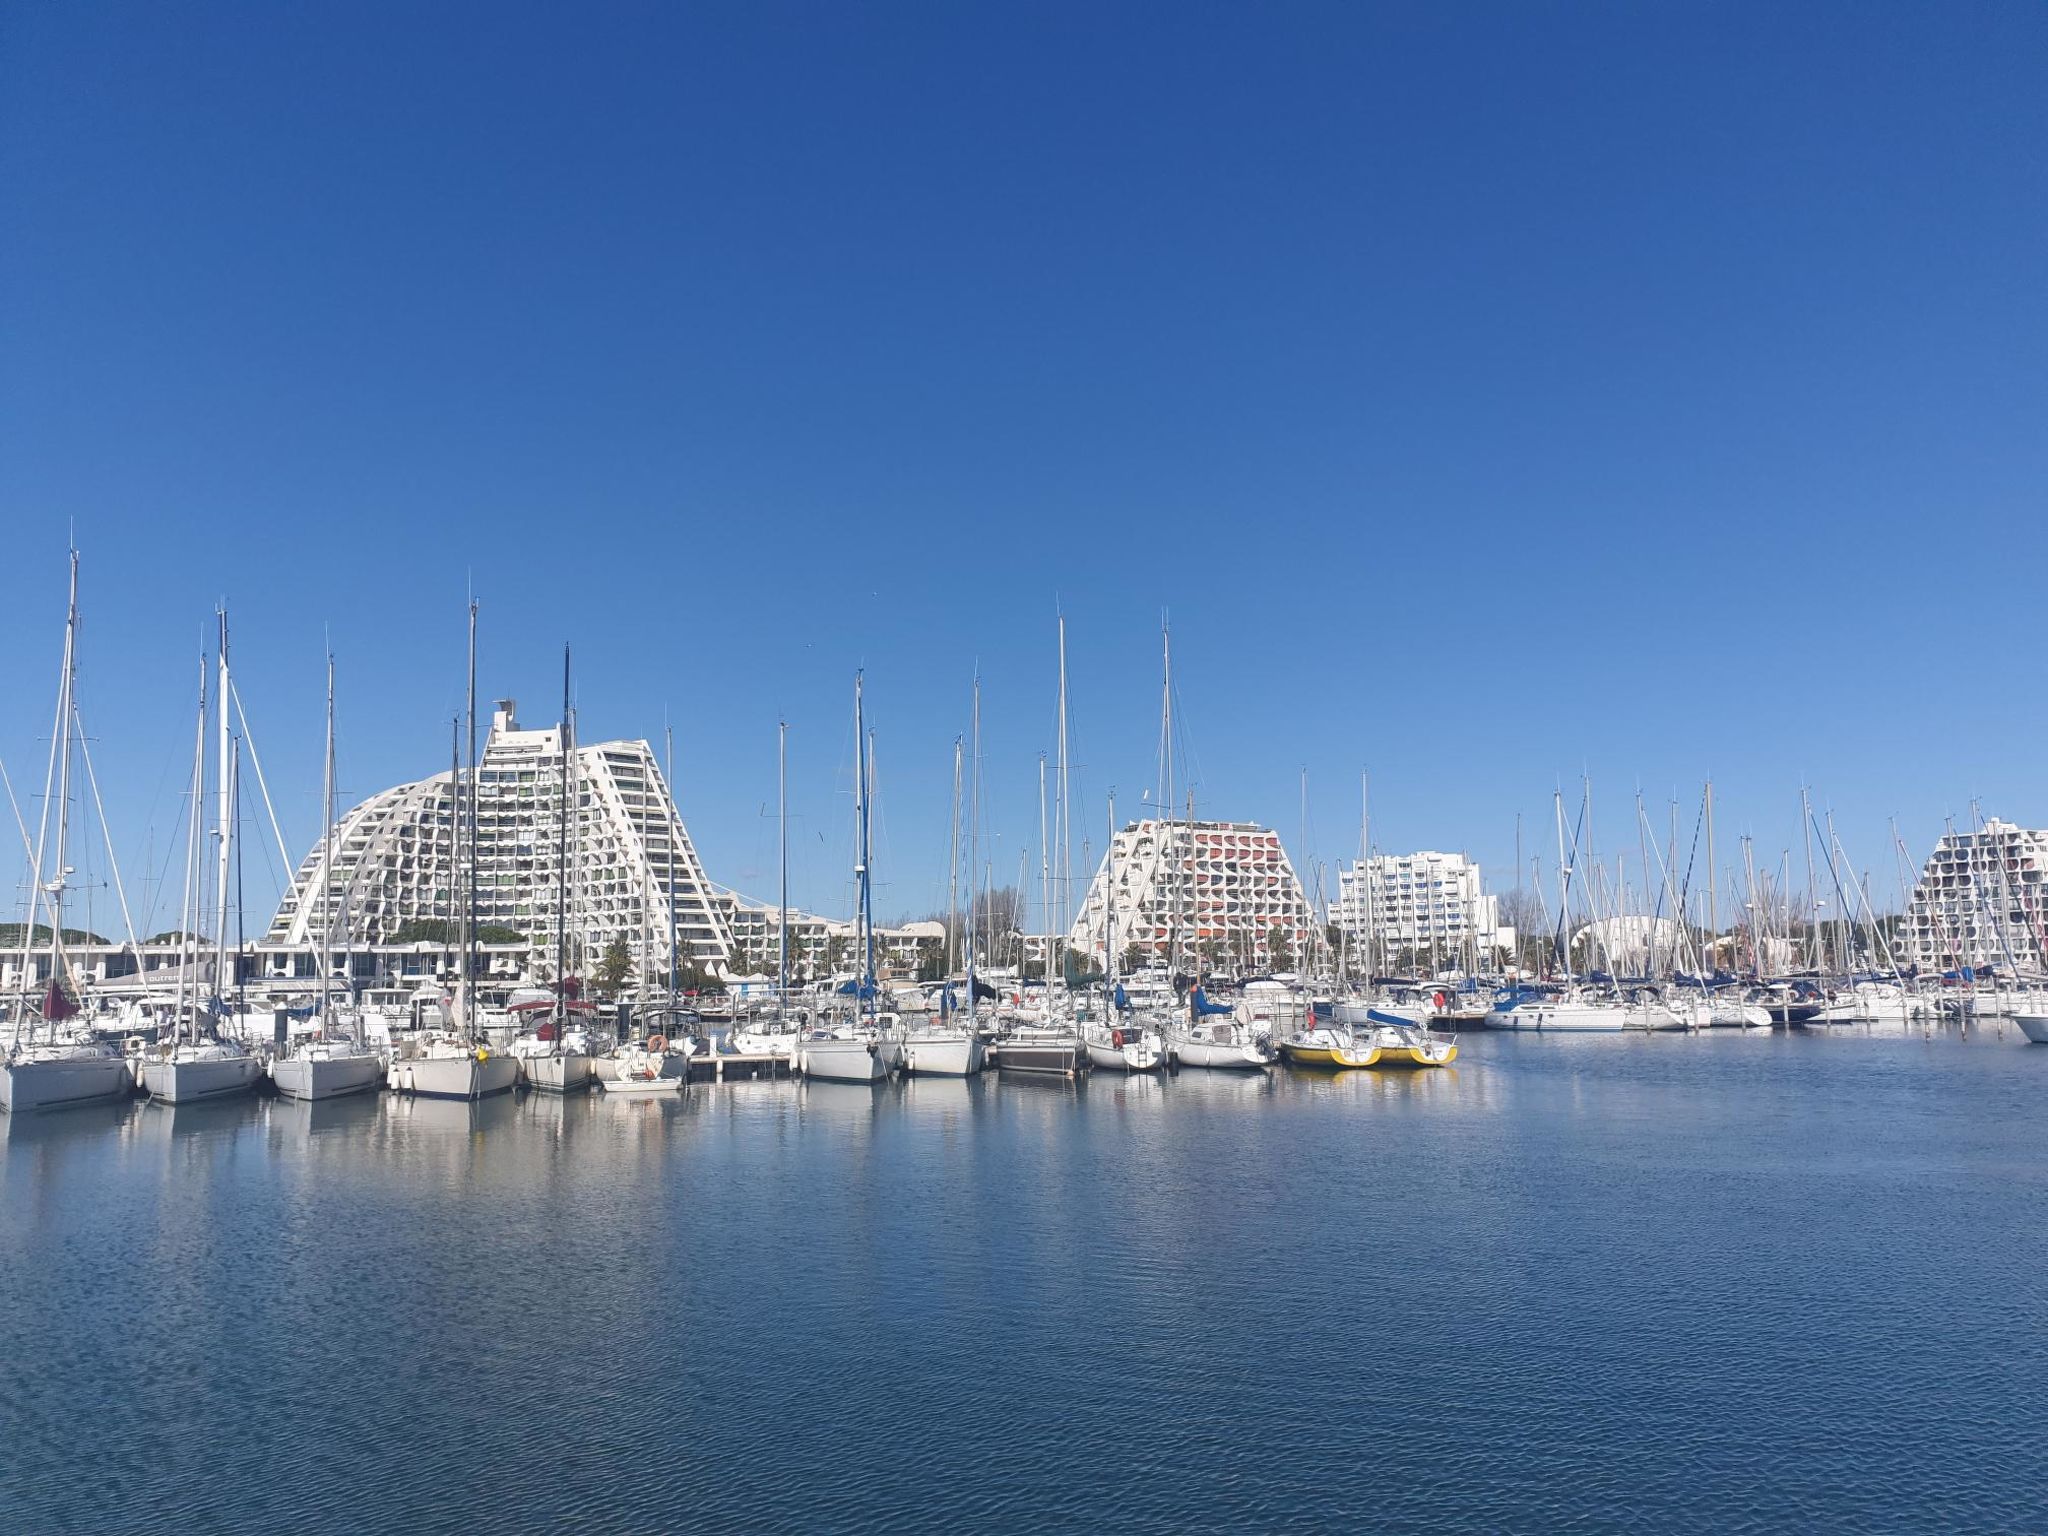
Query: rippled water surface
[[1720, 1283]]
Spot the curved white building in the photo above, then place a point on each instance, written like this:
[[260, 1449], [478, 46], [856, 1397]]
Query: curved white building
[[1222, 889], [395, 857]]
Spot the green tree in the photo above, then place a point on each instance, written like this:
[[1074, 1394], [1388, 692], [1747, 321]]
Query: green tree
[[613, 968], [1279, 952]]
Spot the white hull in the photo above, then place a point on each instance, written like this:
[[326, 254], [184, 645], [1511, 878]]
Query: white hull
[[950, 1054], [187, 1082], [328, 1077], [31, 1085], [842, 1061], [2034, 1026], [640, 1087], [1053, 1053], [1585, 1018], [455, 1077], [762, 1042], [1230, 1058], [1133, 1056], [556, 1074], [1358, 1012]]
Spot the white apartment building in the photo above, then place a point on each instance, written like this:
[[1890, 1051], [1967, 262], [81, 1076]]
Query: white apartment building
[[1980, 900], [395, 857], [1223, 891], [1419, 906], [820, 947]]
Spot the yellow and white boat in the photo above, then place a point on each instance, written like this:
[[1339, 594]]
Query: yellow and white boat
[[1332, 1047], [1409, 1045]]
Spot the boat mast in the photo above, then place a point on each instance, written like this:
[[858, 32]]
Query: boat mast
[[1063, 830], [1109, 968], [562, 866], [466, 800], [782, 863], [1365, 867], [223, 795], [974, 838], [1044, 890], [1167, 849], [1713, 891], [953, 879], [327, 858], [190, 903], [861, 935], [675, 818]]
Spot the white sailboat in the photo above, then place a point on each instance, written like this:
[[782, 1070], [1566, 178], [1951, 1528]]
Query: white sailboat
[[192, 1067], [335, 1060], [557, 1056], [940, 1046], [774, 1035], [863, 1046], [52, 1063], [455, 1062], [1123, 1040]]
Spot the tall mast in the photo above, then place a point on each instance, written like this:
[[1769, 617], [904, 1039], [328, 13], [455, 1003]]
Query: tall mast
[[1044, 887], [1063, 828], [861, 936], [782, 862], [676, 816], [1812, 896], [1713, 887], [60, 869], [1109, 967], [953, 876], [192, 900], [327, 856], [562, 865], [1365, 868], [466, 797], [224, 790], [974, 836], [1168, 850]]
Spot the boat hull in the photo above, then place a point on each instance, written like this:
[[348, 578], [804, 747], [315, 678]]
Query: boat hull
[[1583, 1019], [332, 1077], [1328, 1058], [188, 1082], [640, 1087], [569, 1072], [2034, 1026], [1133, 1056], [455, 1077], [842, 1061], [1058, 1056], [961, 1055], [27, 1086]]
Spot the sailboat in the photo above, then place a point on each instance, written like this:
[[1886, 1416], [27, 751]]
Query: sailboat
[[1052, 1047], [455, 1062], [860, 1048], [775, 1036], [55, 1064], [1122, 1041], [946, 1047], [556, 1058], [335, 1060], [191, 1067]]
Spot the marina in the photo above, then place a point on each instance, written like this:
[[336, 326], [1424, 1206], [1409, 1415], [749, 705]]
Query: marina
[[1588, 1290]]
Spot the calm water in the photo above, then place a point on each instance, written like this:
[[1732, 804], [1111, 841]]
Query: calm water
[[1719, 1283]]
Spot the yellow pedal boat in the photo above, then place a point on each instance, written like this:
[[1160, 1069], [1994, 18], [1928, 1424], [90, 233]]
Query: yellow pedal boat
[[1332, 1049]]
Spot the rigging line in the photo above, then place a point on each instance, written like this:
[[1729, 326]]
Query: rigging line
[[100, 809], [249, 740]]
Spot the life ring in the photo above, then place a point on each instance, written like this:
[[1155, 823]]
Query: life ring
[[656, 1044], [1439, 999], [1116, 1038]]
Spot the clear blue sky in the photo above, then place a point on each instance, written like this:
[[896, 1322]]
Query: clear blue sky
[[1490, 391]]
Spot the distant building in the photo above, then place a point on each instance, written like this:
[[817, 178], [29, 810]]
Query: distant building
[[1419, 908], [1221, 890], [395, 864], [1981, 900]]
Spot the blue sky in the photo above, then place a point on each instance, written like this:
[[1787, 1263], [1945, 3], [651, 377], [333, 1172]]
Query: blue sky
[[1490, 392]]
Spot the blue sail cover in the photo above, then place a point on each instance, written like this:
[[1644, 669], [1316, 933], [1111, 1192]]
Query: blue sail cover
[[863, 990], [1201, 1005], [1377, 1017], [1123, 1003]]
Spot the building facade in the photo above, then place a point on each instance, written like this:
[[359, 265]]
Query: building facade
[[1980, 901], [395, 868], [1418, 908], [1220, 892]]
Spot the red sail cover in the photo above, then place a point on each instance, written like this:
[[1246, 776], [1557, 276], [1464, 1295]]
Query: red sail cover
[[56, 1004]]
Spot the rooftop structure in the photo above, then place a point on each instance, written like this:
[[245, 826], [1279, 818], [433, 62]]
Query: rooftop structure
[[1418, 908]]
